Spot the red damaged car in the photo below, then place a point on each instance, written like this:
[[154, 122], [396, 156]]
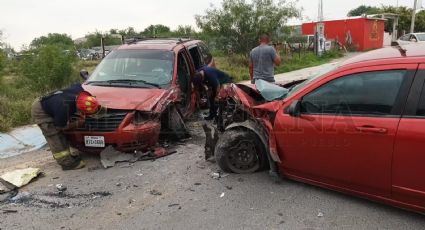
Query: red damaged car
[[358, 128], [145, 86]]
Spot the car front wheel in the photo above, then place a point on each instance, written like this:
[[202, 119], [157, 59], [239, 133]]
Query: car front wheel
[[240, 151]]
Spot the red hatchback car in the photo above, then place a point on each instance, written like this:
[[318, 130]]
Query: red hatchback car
[[358, 129], [146, 88]]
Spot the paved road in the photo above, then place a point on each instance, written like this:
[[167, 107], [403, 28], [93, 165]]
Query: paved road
[[178, 192]]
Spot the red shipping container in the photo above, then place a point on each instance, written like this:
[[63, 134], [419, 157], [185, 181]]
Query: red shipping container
[[366, 33]]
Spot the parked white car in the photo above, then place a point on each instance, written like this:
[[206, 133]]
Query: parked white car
[[411, 38]]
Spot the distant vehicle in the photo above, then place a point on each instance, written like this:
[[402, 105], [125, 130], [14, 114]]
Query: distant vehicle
[[411, 38], [358, 128], [146, 88], [88, 54]]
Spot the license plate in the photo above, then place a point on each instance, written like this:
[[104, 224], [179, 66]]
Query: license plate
[[94, 141]]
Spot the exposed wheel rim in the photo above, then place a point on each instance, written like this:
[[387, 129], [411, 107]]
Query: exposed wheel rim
[[243, 158]]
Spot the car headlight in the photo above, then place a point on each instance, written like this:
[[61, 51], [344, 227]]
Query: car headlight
[[143, 117]]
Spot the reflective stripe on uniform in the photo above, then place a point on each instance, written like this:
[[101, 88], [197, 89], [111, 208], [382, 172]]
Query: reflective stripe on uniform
[[61, 155]]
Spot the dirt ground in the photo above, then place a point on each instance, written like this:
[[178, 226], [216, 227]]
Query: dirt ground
[[178, 192]]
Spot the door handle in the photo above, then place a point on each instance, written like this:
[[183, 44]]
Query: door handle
[[371, 129]]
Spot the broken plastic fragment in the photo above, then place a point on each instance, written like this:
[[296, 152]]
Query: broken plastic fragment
[[21, 177], [109, 156], [215, 175]]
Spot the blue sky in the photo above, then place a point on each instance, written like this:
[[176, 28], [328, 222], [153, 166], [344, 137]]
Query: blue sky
[[23, 20]]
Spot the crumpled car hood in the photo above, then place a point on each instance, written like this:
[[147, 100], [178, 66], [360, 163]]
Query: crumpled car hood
[[141, 99]]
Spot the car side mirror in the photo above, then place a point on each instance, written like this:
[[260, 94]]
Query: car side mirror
[[294, 110], [84, 74]]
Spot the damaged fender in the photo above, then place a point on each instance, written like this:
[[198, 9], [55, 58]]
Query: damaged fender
[[267, 138]]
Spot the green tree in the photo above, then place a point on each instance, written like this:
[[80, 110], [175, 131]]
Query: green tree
[[236, 25], [405, 16], [363, 9], [405, 19], [48, 67], [62, 40], [157, 30], [93, 39], [184, 31]]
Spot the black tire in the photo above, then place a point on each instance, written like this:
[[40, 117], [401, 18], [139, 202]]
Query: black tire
[[240, 151]]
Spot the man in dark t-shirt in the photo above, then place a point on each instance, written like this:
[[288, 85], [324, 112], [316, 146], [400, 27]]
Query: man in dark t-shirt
[[213, 79]]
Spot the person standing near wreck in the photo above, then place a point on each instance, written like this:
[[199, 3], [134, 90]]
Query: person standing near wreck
[[55, 113], [214, 79], [263, 58]]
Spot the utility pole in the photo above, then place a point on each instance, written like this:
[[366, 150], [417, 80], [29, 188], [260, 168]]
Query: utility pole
[[320, 13], [412, 26]]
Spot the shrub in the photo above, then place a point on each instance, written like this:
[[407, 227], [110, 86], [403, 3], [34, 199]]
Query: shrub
[[2, 61], [47, 68]]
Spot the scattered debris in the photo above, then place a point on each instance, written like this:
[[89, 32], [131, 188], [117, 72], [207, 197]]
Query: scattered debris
[[54, 200], [109, 156], [224, 175], [118, 184], [211, 138], [197, 184], [215, 175], [172, 205], [21, 197], [20, 177], [222, 195], [5, 211], [320, 214], [155, 192], [160, 152], [61, 187], [4, 188], [94, 168]]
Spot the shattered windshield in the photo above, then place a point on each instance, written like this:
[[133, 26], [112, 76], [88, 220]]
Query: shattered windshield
[[136, 68], [312, 78]]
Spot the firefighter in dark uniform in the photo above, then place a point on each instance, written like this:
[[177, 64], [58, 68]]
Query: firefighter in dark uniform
[[56, 113], [214, 79]]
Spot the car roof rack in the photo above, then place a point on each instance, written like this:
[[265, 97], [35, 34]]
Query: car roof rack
[[134, 40]]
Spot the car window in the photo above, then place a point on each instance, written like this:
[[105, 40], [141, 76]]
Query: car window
[[206, 54], [405, 37], [420, 37], [369, 93], [196, 57], [183, 71], [421, 106]]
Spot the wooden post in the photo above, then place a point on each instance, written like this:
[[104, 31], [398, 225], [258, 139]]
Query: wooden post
[[102, 43]]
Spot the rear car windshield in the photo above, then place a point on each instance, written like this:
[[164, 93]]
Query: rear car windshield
[[143, 68]]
